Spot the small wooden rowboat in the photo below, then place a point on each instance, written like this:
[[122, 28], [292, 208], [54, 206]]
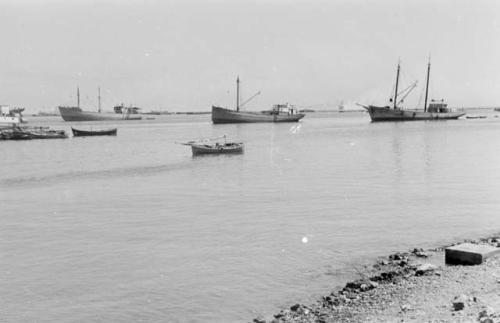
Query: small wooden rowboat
[[212, 146], [82, 133], [226, 148]]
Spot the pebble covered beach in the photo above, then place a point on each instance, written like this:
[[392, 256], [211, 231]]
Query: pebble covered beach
[[413, 286]]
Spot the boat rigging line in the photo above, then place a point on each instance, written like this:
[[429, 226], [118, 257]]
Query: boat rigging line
[[251, 98], [407, 91]]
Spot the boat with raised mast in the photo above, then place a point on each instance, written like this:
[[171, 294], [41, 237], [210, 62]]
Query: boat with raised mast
[[77, 114], [436, 110], [279, 112]]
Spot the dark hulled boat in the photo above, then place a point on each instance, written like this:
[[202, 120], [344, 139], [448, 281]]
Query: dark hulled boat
[[84, 133], [28, 133], [435, 110], [216, 148], [77, 114], [279, 112], [213, 146]]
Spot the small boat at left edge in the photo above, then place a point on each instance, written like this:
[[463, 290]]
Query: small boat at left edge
[[11, 116], [26, 133]]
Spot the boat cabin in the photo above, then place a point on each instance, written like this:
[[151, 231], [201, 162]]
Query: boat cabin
[[6, 110], [286, 109], [126, 110], [11, 115], [438, 106]]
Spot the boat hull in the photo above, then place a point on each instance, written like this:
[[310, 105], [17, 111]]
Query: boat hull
[[17, 133], [77, 114], [388, 114], [222, 115], [11, 120], [201, 149], [85, 133]]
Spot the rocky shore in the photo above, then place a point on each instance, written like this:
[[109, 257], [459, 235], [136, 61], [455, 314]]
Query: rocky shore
[[414, 286]]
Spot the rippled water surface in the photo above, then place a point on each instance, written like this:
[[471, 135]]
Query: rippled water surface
[[133, 228]]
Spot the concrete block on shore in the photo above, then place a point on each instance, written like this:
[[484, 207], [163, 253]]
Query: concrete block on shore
[[469, 254]]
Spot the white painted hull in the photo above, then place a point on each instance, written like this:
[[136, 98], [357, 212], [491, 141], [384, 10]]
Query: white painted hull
[[10, 120]]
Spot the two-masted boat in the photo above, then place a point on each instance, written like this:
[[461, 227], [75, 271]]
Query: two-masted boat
[[279, 112], [77, 114], [436, 110]]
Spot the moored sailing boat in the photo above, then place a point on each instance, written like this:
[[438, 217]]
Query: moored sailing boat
[[435, 110], [77, 114], [279, 112]]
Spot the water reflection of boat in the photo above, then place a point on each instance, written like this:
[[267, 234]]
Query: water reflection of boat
[[437, 110], [279, 112], [91, 132]]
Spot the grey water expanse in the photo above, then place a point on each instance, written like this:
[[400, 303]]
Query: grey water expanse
[[133, 228]]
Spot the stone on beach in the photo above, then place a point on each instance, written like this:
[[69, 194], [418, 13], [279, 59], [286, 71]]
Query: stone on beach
[[459, 302], [425, 269], [419, 252], [486, 313], [469, 254]]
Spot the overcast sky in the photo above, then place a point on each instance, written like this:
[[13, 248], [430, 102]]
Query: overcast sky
[[186, 55]]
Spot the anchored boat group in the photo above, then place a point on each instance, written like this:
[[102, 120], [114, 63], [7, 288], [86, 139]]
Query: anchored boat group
[[435, 110]]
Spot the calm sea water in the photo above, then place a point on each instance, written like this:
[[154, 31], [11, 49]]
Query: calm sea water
[[133, 228]]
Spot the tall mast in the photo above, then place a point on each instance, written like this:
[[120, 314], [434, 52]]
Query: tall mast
[[99, 99], [238, 94], [427, 86], [396, 91], [78, 96]]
